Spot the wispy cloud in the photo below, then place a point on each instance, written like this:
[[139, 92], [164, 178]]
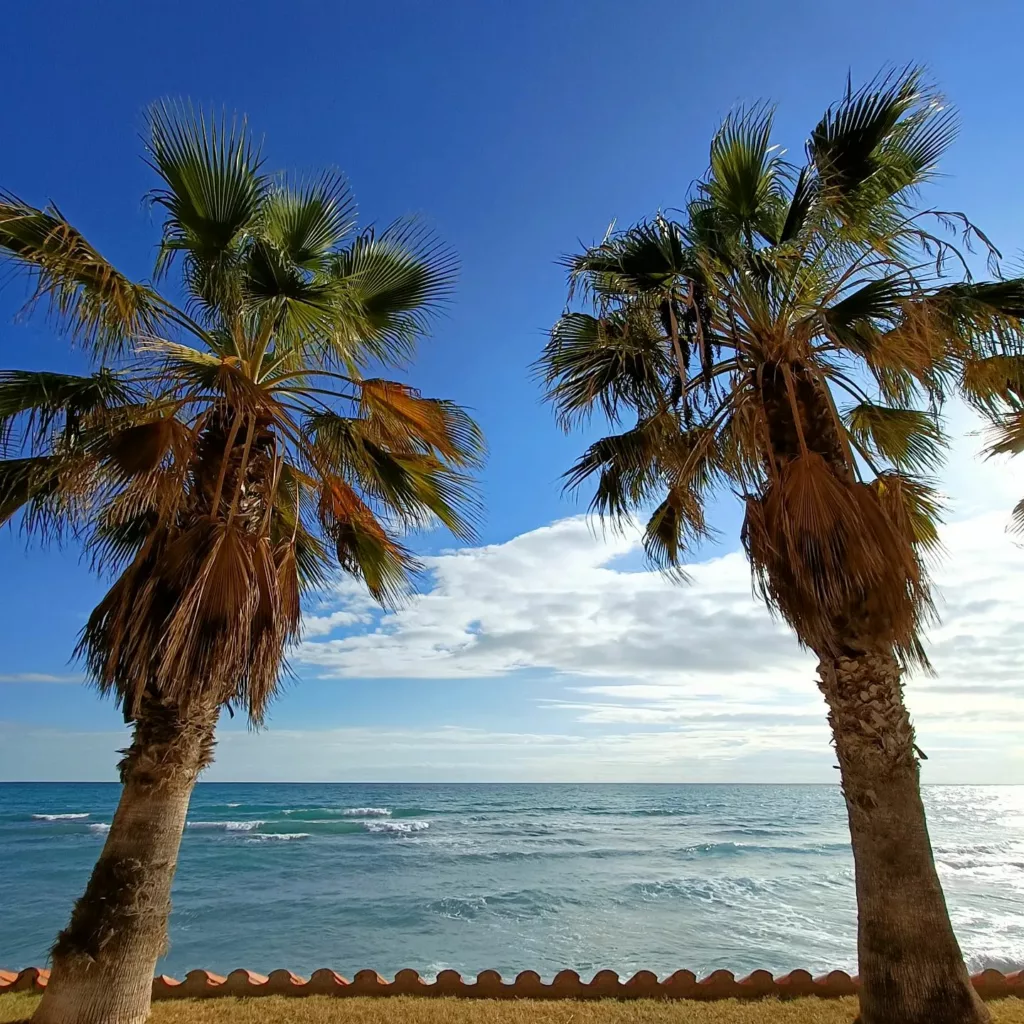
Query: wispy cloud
[[37, 677]]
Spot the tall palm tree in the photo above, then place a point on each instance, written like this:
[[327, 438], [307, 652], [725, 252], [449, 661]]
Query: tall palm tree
[[790, 338], [225, 454]]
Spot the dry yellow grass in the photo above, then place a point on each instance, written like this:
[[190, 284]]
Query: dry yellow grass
[[410, 1010]]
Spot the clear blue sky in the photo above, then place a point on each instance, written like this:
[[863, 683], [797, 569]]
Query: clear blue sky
[[516, 129]]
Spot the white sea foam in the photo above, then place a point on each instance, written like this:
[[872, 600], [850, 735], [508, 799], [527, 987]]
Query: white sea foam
[[260, 836], [396, 827], [234, 805], [59, 817], [227, 826], [345, 812], [101, 827]]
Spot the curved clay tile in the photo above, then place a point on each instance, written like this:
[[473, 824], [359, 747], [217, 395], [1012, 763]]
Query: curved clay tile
[[990, 984]]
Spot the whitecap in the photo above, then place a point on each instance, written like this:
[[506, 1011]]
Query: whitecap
[[396, 827], [260, 836], [367, 812], [59, 817], [227, 826], [101, 827]]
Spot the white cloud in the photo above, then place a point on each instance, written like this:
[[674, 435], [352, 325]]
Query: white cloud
[[704, 661], [649, 680]]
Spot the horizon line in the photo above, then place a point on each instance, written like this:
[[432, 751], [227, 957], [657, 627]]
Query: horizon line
[[442, 782]]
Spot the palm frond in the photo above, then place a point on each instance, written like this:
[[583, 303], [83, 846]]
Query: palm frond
[[1017, 518], [213, 189], [676, 524], [363, 545], [99, 306], [909, 439], [799, 206], [402, 418], [884, 137], [408, 484], [913, 506], [306, 220], [1007, 434], [745, 181], [401, 278], [993, 383], [47, 401], [605, 363]]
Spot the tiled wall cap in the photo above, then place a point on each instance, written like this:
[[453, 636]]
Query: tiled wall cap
[[990, 984]]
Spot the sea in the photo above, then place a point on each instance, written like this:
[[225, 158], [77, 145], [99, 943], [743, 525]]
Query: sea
[[511, 877]]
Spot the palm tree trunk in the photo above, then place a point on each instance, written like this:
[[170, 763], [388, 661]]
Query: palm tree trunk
[[911, 967], [103, 962]]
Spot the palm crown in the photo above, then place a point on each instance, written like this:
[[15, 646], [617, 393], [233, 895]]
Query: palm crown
[[229, 450], [790, 338]]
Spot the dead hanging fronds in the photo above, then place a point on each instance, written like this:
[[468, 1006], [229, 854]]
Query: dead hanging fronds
[[838, 558], [202, 612]]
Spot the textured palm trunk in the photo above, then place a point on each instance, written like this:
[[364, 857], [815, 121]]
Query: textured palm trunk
[[103, 962], [911, 967]]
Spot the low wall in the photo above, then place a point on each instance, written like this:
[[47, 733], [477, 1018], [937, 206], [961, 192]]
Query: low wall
[[527, 985]]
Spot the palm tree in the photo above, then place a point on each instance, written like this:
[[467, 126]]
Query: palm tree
[[225, 454], [790, 338]]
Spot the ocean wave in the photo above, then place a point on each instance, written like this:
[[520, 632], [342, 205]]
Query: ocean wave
[[259, 837], [100, 827], [396, 827], [343, 812], [59, 817], [227, 826]]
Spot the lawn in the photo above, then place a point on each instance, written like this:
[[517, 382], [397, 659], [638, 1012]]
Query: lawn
[[412, 1010]]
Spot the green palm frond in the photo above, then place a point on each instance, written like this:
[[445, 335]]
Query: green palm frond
[[628, 466], [650, 258], [604, 363], [213, 189], [875, 306], [909, 439], [676, 524], [745, 182], [799, 206], [400, 278], [306, 220], [98, 305], [993, 383], [880, 139], [47, 401]]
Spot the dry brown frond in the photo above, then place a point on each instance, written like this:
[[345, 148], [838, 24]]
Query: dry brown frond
[[837, 561], [198, 614]]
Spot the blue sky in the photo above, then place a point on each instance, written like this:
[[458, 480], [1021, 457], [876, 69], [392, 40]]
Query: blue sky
[[516, 130]]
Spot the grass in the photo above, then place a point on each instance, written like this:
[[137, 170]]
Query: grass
[[412, 1010]]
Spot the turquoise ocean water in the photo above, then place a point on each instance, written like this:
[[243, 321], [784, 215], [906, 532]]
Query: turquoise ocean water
[[510, 876]]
